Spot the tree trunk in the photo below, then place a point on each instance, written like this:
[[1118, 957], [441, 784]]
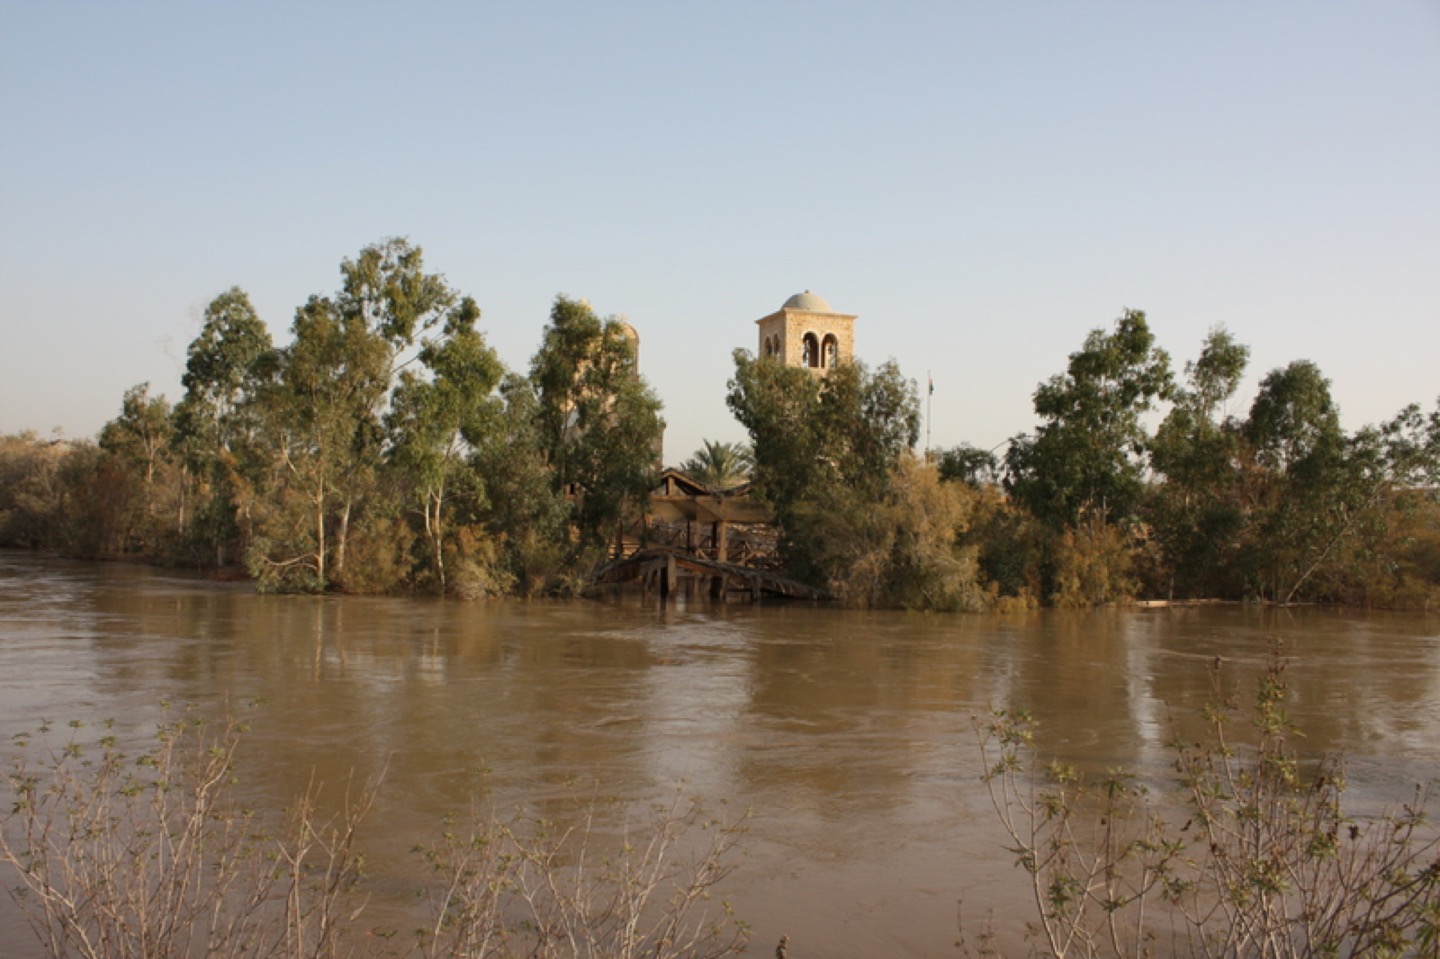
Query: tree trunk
[[342, 536], [437, 536], [320, 539]]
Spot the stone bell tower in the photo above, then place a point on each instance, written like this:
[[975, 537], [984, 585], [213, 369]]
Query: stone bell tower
[[807, 332]]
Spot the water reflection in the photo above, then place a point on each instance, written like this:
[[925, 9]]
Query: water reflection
[[847, 733]]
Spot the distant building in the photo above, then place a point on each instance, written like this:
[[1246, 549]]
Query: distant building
[[807, 332], [628, 331]]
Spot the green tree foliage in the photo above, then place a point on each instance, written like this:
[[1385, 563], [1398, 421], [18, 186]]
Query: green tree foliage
[[1012, 548], [1294, 425], [1385, 546], [1198, 511], [216, 421], [139, 442], [858, 512], [324, 414], [1195, 445], [527, 514], [436, 420], [780, 407], [386, 447], [1084, 468], [969, 465], [1296, 478], [319, 425], [1284, 505], [720, 466], [386, 295], [598, 422], [140, 435], [1086, 457], [1359, 499], [849, 426], [900, 551]]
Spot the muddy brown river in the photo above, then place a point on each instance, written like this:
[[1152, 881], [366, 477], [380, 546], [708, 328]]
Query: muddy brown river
[[847, 735]]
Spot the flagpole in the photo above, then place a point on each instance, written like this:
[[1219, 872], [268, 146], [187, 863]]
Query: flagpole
[[929, 406]]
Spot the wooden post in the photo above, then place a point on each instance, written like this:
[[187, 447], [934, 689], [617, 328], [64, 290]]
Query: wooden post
[[667, 578]]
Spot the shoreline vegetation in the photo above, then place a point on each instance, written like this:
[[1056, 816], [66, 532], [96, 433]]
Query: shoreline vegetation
[[386, 449]]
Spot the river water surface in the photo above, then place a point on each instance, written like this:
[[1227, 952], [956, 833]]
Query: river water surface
[[847, 735]]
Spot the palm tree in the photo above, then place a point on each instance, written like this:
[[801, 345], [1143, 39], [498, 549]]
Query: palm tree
[[720, 465]]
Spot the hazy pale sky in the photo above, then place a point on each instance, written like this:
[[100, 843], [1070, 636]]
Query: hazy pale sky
[[981, 183]]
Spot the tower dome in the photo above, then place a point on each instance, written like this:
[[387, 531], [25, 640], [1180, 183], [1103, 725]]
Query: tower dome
[[810, 302]]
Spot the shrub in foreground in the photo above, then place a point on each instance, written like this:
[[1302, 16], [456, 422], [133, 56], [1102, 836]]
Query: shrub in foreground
[[1256, 857], [112, 856]]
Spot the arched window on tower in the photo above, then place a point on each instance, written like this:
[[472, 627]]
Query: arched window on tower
[[769, 346], [811, 354], [830, 351]]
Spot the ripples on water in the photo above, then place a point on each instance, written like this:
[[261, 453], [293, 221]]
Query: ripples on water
[[847, 734]]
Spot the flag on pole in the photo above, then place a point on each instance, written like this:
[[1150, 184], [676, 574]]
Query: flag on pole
[[932, 382]]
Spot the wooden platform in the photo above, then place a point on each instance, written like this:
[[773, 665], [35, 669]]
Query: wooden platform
[[665, 571]]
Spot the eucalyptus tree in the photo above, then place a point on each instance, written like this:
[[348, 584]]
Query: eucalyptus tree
[[140, 435], [1294, 424], [1086, 457], [871, 419], [139, 440], [779, 406], [385, 295], [216, 420], [316, 411], [826, 449], [849, 426], [437, 418], [1385, 544], [326, 403], [1314, 488], [1295, 479], [526, 513], [599, 424], [1198, 510]]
